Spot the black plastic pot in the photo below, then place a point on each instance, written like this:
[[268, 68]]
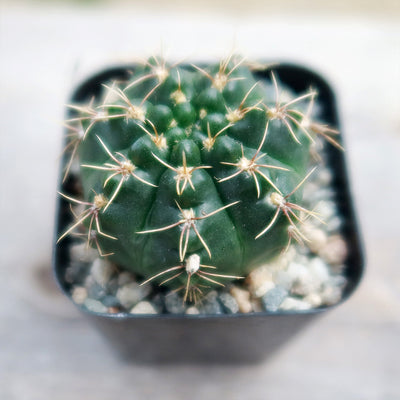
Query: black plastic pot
[[216, 338]]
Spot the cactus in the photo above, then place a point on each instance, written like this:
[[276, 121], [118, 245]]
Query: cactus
[[192, 176]]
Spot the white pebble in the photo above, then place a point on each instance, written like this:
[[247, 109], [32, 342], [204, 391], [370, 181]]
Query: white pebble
[[131, 293], [319, 270], [291, 303], [260, 281], [192, 310], [326, 209], [80, 252], [243, 299], [316, 237], [314, 299], [335, 250], [331, 295], [143, 307], [101, 271], [79, 294]]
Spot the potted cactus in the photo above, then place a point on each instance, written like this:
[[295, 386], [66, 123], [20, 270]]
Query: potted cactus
[[188, 181]]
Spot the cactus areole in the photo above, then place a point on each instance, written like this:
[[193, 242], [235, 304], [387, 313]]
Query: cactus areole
[[192, 176]]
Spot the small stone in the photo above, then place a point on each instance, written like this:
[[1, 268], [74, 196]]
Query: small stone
[[310, 189], [324, 177], [338, 281], [283, 279], [76, 273], [282, 262], [125, 277], [304, 282], [290, 303], [259, 281], [314, 299], [319, 270], [80, 252], [317, 238], [110, 301], [113, 286], [337, 269], [334, 224], [256, 305], [158, 303], [95, 291], [113, 310], [101, 270], [131, 293], [95, 306], [79, 294], [335, 250], [210, 304], [229, 304], [174, 303], [326, 209], [274, 298], [243, 299], [143, 307], [331, 295], [192, 310]]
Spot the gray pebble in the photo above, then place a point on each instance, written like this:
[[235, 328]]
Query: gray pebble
[[95, 291], [76, 273], [174, 303], [274, 298], [110, 301], [95, 306], [229, 304], [158, 303], [125, 277], [334, 224], [113, 286], [338, 280], [210, 304]]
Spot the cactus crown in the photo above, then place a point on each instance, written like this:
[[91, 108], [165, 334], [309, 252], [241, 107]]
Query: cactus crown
[[192, 176]]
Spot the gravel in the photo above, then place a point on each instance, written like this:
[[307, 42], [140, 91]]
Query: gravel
[[229, 303], [274, 298], [131, 293], [174, 303]]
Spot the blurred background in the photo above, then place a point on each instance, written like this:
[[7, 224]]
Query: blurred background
[[47, 349]]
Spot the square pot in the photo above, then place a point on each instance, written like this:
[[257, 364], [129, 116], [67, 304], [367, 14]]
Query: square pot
[[218, 338]]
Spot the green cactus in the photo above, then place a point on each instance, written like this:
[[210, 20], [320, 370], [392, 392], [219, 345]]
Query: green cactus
[[192, 177]]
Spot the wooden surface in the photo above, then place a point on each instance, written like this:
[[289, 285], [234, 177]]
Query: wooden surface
[[48, 350]]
